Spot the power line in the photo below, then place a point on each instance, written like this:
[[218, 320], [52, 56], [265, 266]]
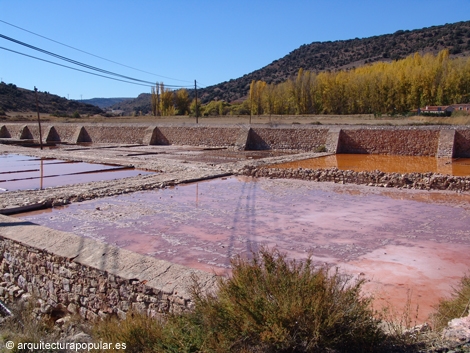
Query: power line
[[73, 68], [88, 53], [82, 64]]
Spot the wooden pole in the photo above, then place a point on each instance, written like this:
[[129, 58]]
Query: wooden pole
[[39, 120], [197, 110]]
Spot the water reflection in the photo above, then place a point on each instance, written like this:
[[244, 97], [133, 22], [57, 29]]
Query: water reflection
[[19, 172]]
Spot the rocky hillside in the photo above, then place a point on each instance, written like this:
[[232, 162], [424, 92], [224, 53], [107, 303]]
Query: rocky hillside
[[17, 99], [337, 55], [345, 54]]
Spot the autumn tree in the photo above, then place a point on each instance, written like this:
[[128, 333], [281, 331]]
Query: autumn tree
[[256, 97], [182, 102], [155, 100], [166, 101]]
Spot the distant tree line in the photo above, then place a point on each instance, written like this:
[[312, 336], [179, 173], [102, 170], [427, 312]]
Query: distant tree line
[[396, 87], [346, 54], [380, 88]]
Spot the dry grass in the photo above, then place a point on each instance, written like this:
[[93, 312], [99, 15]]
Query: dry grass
[[458, 305], [140, 333], [24, 327]]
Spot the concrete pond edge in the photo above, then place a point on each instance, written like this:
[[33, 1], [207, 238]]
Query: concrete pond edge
[[87, 277]]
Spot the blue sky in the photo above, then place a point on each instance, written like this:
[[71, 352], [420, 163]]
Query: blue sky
[[207, 40]]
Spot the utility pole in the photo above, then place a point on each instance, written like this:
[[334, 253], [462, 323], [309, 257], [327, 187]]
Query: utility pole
[[158, 99], [252, 86], [39, 120], [197, 110]]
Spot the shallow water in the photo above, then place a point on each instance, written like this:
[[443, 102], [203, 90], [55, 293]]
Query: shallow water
[[401, 240], [19, 172], [385, 163]]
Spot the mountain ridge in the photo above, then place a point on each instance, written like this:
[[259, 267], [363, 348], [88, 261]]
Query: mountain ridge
[[333, 55], [346, 54]]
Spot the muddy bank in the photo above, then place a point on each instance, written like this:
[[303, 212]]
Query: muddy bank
[[420, 181]]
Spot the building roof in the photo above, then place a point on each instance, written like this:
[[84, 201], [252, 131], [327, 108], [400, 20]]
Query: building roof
[[434, 108]]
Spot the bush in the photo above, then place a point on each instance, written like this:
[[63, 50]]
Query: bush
[[272, 304], [456, 306], [269, 304], [76, 115]]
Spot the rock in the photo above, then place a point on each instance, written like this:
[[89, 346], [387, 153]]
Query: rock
[[80, 337], [72, 308], [458, 330]]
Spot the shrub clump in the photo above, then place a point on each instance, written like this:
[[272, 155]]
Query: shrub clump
[[76, 115], [270, 304]]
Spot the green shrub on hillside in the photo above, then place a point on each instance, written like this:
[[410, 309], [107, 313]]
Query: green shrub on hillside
[[76, 115]]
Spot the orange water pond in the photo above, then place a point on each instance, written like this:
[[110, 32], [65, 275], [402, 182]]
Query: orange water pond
[[385, 163]]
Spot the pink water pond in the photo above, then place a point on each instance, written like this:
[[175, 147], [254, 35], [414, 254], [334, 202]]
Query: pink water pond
[[405, 242]]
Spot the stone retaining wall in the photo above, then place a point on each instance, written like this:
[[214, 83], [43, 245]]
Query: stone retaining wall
[[415, 141], [66, 132], [80, 275], [462, 143], [116, 134], [400, 141], [422, 181], [198, 136], [282, 138]]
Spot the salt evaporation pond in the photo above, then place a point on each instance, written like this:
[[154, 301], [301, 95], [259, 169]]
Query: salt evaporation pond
[[385, 163], [19, 172], [404, 241]]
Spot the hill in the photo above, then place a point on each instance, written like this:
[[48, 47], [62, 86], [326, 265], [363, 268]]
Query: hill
[[346, 54], [139, 104], [333, 55], [104, 103], [17, 99]]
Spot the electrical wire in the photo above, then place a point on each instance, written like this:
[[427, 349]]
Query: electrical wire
[[88, 53], [82, 64], [74, 68]]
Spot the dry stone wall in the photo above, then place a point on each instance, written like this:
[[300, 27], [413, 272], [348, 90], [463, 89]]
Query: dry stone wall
[[116, 134], [396, 141], [83, 276], [198, 136], [422, 181], [13, 130], [280, 138], [415, 141], [462, 143]]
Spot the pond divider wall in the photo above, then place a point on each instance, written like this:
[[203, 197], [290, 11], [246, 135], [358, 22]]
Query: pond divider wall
[[83, 276], [420, 181], [440, 141]]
